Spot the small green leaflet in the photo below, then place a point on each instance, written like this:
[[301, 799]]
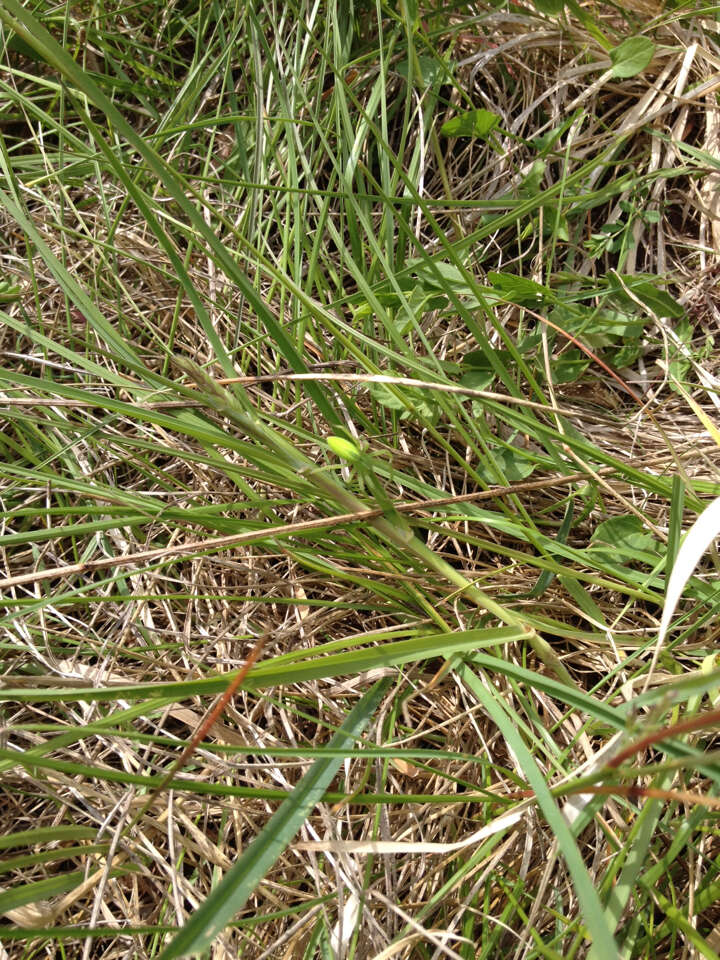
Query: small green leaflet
[[474, 123], [9, 292], [520, 290], [644, 287], [431, 70], [625, 534], [631, 57]]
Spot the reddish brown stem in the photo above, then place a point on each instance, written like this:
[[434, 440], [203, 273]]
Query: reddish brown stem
[[685, 726], [632, 792], [210, 717]]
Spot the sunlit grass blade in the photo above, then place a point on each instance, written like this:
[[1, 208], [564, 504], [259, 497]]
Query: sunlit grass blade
[[268, 674]]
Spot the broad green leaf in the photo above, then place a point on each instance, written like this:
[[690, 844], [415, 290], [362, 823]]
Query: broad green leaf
[[569, 365], [647, 289], [616, 323], [438, 275], [680, 353], [386, 397], [418, 298], [626, 532], [520, 290], [9, 291], [478, 371], [545, 141], [512, 463], [632, 56], [532, 183], [238, 884], [474, 123], [551, 8], [478, 378], [344, 448], [431, 69], [626, 355]]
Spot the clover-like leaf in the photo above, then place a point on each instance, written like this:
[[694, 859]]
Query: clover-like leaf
[[631, 57], [473, 123]]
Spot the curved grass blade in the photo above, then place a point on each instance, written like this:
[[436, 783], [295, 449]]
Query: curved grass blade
[[39, 835], [41, 890], [593, 915], [269, 673], [239, 882]]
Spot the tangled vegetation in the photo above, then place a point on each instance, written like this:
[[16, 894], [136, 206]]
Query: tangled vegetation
[[359, 369]]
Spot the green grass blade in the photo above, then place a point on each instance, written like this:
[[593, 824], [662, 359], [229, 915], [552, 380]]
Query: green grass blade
[[40, 890], [599, 928], [229, 897], [46, 835], [269, 674]]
